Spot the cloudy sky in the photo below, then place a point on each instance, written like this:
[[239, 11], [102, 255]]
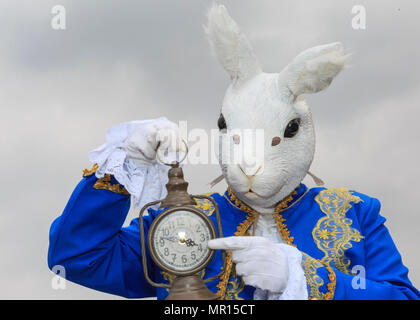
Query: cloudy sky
[[60, 90]]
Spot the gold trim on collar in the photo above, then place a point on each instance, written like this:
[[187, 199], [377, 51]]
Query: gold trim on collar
[[244, 227], [282, 228], [224, 278], [282, 206], [239, 204], [285, 234]]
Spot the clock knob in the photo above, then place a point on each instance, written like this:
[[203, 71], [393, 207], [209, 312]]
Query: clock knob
[[177, 189]]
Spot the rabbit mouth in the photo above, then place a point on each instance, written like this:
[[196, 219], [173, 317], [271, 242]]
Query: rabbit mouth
[[252, 193]]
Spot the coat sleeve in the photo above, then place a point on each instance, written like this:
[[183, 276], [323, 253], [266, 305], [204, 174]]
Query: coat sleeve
[[383, 277], [89, 242]]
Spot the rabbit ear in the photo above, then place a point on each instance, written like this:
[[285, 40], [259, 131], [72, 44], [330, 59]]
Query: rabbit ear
[[314, 69], [230, 45]]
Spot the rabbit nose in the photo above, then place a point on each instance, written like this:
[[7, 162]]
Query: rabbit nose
[[250, 172], [236, 139], [275, 141]]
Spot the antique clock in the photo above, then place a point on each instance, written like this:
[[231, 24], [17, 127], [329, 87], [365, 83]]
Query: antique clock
[[177, 240]]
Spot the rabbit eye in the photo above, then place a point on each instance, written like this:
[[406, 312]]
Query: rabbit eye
[[292, 128], [221, 123]]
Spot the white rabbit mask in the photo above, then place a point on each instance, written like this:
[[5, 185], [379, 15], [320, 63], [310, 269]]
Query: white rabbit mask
[[271, 102]]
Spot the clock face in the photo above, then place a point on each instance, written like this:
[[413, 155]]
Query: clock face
[[179, 241]]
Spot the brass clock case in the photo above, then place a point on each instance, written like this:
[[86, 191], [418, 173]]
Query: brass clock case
[[186, 284]]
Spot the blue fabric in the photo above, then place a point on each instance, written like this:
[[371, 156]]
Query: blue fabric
[[97, 252]]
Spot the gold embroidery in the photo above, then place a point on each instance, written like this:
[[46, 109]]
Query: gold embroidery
[[313, 280], [168, 277], [282, 206], [234, 287], [310, 265], [282, 228], [239, 204], [105, 184], [244, 226], [242, 230], [224, 278], [332, 233], [330, 286], [87, 172], [205, 205]]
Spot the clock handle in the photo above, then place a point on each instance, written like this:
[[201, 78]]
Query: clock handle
[[143, 248], [219, 227]]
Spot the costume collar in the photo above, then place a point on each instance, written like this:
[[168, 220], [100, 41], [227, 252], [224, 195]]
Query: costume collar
[[251, 218], [283, 205]]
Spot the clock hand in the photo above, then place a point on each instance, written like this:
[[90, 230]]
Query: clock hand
[[170, 238], [190, 243]]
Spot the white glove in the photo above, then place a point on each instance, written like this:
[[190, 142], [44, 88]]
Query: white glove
[[142, 145], [261, 263], [129, 154]]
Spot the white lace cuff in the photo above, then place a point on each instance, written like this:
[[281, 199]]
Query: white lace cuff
[[296, 284], [146, 182]]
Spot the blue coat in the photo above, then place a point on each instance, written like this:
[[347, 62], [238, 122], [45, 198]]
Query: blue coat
[[347, 251]]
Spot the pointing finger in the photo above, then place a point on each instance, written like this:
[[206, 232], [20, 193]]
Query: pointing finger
[[232, 243]]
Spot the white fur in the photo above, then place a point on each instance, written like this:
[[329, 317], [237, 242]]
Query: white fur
[[314, 69], [258, 100], [230, 45]]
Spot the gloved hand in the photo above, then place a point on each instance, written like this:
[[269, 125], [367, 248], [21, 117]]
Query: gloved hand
[[142, 145], [261, 263]]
